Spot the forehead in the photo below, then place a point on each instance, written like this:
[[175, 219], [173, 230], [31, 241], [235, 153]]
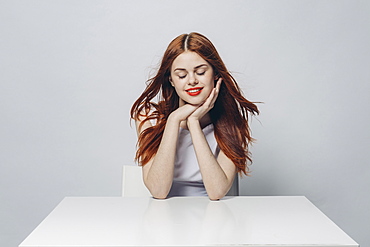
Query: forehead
[[188, 60]]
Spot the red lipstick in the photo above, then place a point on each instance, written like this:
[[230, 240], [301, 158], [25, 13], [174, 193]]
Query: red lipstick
[[194, 91]]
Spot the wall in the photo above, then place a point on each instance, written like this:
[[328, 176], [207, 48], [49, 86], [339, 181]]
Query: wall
[[70, 71]]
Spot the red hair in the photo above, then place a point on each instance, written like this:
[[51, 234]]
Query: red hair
[[229, 114]]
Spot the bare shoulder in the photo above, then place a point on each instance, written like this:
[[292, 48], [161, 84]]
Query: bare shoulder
[[147, 117], [142, 123]]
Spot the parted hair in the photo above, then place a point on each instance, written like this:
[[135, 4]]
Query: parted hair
[[229, 115]]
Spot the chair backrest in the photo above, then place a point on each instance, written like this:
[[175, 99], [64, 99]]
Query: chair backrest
[[133, 185], [132, 182]]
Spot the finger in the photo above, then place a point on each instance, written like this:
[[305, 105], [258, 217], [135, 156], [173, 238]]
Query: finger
[[210, 100], [210, 97], [190, 108], [185, 111], [214, 98], [218, 85], [216, 91]]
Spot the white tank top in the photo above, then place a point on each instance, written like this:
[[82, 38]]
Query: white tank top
[[187, 180]]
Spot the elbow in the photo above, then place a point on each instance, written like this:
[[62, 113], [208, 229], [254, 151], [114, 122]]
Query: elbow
[[215, 196], [159, 194]]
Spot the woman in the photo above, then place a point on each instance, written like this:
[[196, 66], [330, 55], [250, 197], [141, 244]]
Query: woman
[[195, 139]]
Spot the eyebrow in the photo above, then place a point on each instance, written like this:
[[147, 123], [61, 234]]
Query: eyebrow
[[197, 67]]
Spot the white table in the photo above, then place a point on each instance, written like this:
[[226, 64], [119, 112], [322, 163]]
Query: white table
[[187, 221]]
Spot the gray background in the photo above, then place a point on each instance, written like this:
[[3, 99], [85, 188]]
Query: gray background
[[70, 71]]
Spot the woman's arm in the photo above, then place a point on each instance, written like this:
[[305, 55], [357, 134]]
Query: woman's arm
[[158, 172], [218, 174]]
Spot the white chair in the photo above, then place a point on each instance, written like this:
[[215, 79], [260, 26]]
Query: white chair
[[132, 182], [133, 185]]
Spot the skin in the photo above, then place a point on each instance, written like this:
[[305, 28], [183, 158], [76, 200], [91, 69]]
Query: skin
[[189, 70]]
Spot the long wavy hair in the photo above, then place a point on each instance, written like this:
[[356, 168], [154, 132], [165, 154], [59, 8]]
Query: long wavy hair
[[229, 114]]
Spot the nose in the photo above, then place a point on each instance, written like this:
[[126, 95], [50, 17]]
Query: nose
[[192, 80]]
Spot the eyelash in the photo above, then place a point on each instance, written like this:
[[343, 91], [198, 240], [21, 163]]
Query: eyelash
[[202, 73]]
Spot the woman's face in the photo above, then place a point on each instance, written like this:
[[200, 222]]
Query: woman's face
[[192, 77]]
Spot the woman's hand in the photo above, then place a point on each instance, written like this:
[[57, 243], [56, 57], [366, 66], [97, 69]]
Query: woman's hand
[[204, 108], [183, 112]]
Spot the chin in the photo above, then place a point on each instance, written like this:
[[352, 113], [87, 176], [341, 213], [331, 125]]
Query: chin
[[194, 102]]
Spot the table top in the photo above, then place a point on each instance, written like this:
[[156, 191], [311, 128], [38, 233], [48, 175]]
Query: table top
[[187, 221]]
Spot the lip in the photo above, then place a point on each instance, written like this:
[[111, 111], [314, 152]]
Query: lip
[[191, 91]]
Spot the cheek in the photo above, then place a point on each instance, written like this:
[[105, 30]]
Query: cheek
[[210, 81], [177, 85], [178, 88]]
